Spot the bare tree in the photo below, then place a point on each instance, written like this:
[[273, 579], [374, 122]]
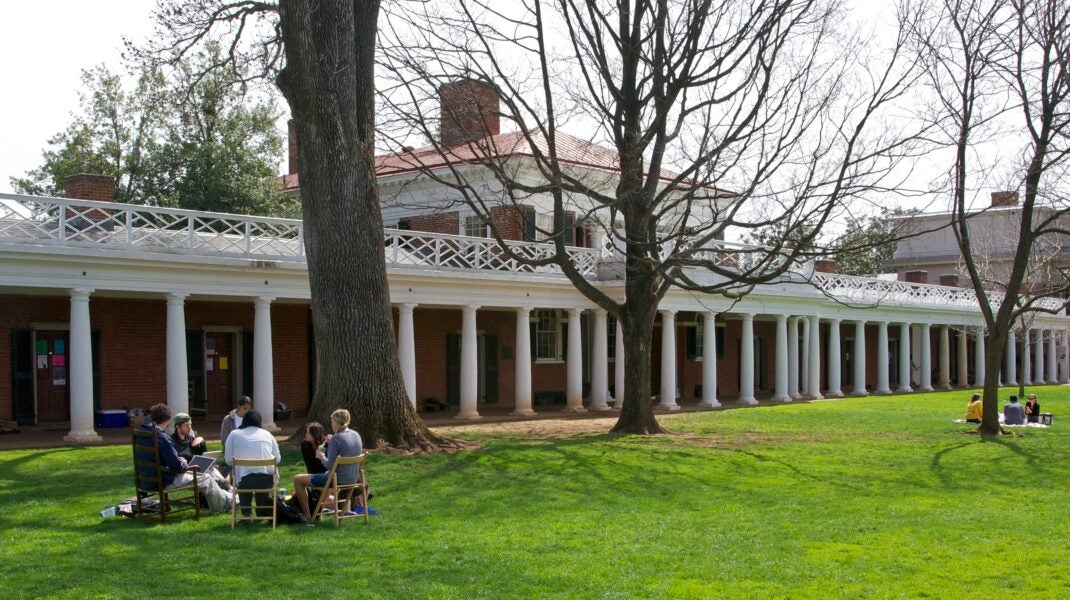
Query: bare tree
[[321, 55], [996, 68], [697, 118]]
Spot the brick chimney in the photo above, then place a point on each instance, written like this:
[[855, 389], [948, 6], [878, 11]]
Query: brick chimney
[[89, 187], [291, 136], [916, 276], [826, 266], [1000, 199], [470, 110], [949, 280]]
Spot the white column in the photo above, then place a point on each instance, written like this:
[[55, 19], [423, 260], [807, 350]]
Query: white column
[[1038, 351], [522, 363], [177, 368], [804, 359], [667, 398], [904, 358], [1066, 358], [835, 359], [469, 364], [793, 357], [407, 350], [944, 382], [574, 364], [746, 360], [963, 366], [814, 360], [618, 368], [263, 365], [1012, 359], [780, 391], [926, 358], [599, 362], [1053, 370], [882, 358], [709, 360], [979, 357], [1027, 359], [860, 358], [80, 371]]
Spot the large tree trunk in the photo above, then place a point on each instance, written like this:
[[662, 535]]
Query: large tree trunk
[[994, 349], [329, 84]]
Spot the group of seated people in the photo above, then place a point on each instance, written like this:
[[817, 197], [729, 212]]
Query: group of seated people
[[1013, 412], [243, 437]]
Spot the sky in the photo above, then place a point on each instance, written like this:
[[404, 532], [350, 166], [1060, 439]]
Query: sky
[[45, 46]]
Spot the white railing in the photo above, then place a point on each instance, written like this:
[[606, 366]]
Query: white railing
[[735, 256], [126, 227], [84, 223], [463, 252], [868, 291]]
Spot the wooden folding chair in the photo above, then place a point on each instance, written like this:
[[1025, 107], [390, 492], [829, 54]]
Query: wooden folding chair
[[148, 481], [343, 493], [254, 513]]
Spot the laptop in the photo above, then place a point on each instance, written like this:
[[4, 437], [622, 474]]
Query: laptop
[[202, 463]]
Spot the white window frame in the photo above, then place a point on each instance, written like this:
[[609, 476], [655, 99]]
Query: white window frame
[[472, 222], [548, 325], [544, 226]]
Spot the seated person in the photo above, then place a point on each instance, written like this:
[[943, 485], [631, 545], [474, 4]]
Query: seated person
[[159, 419], [316, 439], [189, 444], [1032, 409], [233, 420], [974, 410], [345, 443], [1013, 413], [250, 441]]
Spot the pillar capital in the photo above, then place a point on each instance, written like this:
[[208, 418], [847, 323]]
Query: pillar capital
[[408, 307], [667, 312], [81, 293], [177, 297], [264, 300]]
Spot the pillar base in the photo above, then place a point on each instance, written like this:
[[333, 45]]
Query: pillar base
[[887, 392], [834, 394], [796, 396], [83, 437], [661, 406], [523, 412], [782, 399], [271, 427], [748, 401], [603, 407], [904, 390], [1009, 383], [709, 404], [574, 409], [469, 417], [947, 386], [859, 393], [926, 389], [814, 397]]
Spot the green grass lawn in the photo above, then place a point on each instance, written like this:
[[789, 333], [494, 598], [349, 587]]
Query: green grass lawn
[[868, 497]]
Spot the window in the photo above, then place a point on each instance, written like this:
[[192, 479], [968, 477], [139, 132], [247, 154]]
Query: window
[[547, 335], [544, 224], [475, 226]]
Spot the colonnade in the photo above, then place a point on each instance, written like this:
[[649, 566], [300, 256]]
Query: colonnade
[[797, 357]]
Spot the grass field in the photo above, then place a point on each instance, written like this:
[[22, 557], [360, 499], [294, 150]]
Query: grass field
[[869, 497]]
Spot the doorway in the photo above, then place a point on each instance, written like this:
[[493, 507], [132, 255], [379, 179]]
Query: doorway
[[219, 371], [487, 361], [52, 377]]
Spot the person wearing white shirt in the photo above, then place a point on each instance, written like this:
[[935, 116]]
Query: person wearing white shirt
[[250, 441]]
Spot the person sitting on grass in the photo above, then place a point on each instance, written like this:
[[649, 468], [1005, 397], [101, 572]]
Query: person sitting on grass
[[1013, 413], [1032, 409], [345, 443], [250, 441], [159, 417], [974, 410]]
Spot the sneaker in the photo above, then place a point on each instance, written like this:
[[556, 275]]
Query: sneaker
[[360, 511]]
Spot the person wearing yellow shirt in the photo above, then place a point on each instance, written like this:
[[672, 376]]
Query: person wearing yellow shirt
[[974, 409]]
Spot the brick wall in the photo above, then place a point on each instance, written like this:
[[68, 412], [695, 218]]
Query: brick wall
[[508, 221], [133, 354], [443, 222]]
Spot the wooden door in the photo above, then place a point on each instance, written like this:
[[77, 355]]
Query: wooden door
[[52, 372], [219, 371]]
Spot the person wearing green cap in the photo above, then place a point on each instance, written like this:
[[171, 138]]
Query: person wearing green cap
[[186, 440]]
